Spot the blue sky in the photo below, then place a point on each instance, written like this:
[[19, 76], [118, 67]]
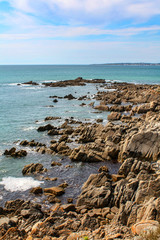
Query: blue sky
[[79, 31]]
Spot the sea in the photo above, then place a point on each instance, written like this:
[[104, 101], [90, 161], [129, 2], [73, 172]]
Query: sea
[[23, 109]]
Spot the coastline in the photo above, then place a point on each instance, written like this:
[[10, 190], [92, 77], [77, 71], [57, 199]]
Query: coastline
[[131, 137]]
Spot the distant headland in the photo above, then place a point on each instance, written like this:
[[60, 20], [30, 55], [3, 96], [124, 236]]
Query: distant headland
[[130, 64]]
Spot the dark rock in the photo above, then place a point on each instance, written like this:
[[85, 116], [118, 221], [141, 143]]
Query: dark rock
[[31, 83], [37, 190], [45, 128], [69, 97]]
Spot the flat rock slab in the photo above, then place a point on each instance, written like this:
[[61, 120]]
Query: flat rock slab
[[54, 191]]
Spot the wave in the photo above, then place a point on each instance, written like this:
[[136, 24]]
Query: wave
[[14, 184], [28, 128]]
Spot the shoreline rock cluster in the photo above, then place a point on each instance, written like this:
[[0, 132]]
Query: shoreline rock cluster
[[110, 206]]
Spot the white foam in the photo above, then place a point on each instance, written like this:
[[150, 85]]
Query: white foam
[[14, 184], [13, 84], [28, 128]]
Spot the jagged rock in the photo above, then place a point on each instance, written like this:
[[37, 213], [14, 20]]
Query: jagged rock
[[144, 145], [114, 116], [135, 166], [96, 191], [45, 128], [16, 154], [31, 83], [69, 97], [37, 190], [53, 132], [33, 168]]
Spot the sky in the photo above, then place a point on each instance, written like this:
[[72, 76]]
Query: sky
[[79, 31]]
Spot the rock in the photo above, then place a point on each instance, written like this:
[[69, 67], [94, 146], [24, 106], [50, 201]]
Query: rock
[[55, 100], [145, 227], [37, 190], [135, 166], [51, 118], [69, 97], [143, 145], [45, 128], [33, 168], [96, 191], [53, 163], [53, 199], [31, 83], [116, 177], [16, 154], [114, 236], [53, 132], [63, 138], [99, 120], [70, 200], [62, 146], [103, 169], [102, 108], [63, 185], [14, 205], [114, 116], [4, 220], [57, 191], [68, 207]]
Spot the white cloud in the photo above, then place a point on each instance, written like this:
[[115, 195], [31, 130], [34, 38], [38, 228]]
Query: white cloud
[[48, 32], [85, 10]]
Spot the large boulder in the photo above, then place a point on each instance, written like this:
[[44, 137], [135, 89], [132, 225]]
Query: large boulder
[[144, 145], [96, 191]]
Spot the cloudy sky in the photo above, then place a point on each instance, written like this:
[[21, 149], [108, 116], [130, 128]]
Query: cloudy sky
[[79, 31]]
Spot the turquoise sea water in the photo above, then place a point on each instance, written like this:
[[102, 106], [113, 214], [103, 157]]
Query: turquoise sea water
[[24, 107]]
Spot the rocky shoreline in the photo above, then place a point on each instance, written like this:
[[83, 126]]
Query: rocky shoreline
[[110, 206]]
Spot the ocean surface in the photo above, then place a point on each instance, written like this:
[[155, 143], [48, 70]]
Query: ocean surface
[[24, 108]]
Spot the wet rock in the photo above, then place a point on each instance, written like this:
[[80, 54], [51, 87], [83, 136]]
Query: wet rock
[[16, 154], [53, 199], [68, 207], [33, 168], [102, 108], [57, 191], [51, 118], [37, 190], [69, 97], [45, 128], [53, 163], [53, 132], [30, 83]]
